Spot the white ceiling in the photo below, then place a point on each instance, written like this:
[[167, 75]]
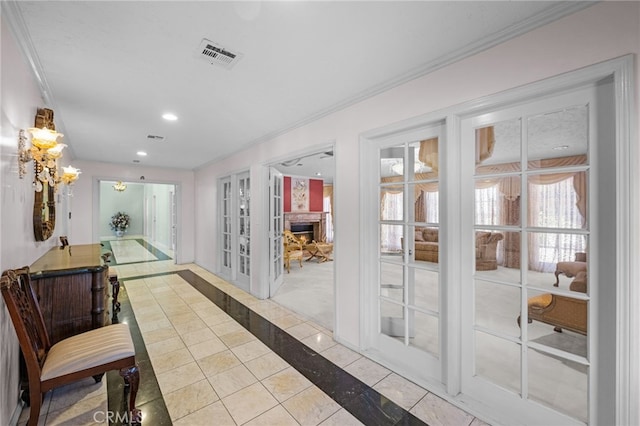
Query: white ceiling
[[110, 69]]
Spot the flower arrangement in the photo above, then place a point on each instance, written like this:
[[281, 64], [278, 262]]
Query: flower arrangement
[[119, 221]]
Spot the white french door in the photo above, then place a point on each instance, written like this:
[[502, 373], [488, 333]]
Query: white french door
[[529, 341], [235, 229], [226, 226], [276, 227], [407, 298], [527, 245], [243, 231]]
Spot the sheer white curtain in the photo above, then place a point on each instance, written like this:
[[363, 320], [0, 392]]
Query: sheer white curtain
[[554, 206], [488, 206], [432, 206], [392, 209], [326, 206]]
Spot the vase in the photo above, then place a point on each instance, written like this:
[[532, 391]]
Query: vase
[[119, 233]]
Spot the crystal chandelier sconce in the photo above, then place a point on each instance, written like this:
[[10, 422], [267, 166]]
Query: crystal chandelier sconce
[[119, 186], [45, 151]]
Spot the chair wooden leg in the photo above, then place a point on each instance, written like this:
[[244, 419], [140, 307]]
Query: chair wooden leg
[[35, 402], [131, 376]]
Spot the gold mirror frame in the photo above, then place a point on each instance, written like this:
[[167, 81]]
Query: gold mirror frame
[[44, 213], [44, 204]]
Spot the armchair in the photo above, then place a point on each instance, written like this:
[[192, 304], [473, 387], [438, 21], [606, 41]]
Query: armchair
[[89, 354], [293, 250]]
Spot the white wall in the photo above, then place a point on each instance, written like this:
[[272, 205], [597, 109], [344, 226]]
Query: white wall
[[129, 201], [20, 100], [604, 31]]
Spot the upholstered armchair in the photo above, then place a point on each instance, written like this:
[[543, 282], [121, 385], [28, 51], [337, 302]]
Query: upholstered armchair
[[293, 250], [571, 269], [486, 250], [426, 247]]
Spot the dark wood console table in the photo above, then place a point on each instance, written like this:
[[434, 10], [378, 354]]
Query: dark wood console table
[[71, 287]]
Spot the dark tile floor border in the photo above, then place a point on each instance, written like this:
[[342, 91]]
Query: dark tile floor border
[[106, 247], [149, 398], [362, 401]]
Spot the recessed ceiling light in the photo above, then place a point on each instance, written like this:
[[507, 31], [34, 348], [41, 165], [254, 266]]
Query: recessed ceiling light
[[318, 174], [141, 153], [560, 147], [169, 116]]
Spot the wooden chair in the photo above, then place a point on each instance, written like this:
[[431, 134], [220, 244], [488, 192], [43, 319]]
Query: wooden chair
[[292, 251], [290, 238], [89, 354]]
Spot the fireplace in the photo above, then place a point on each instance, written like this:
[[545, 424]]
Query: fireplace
[[310, 225], [303, 229]]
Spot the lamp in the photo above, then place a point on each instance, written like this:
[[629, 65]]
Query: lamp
[[45, 151], [70, 175], [119, 186]]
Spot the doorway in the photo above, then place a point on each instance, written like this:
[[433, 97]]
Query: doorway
[[151, 210], [301, 202]]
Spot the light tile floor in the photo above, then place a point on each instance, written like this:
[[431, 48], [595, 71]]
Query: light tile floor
[[212, 370]]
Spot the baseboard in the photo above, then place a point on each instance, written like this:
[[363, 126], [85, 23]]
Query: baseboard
[[16, 413]]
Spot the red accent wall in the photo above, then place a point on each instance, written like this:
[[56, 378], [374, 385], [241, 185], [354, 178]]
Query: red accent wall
[[315, 194], [287, 193]]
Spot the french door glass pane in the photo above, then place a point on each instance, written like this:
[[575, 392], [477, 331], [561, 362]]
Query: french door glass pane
[[425, 158], [392, 319], [497, 201], [423, 332], [558, 139], [391, 239], [426, 247], [391, 163], [558, 200], [559, 383], [498, 360], [425, 291], [558, 258], [498, 147], [392, 281], [558, 321], [497, 307], [392, 202]]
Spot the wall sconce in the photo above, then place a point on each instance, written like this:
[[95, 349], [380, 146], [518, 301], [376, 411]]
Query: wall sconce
[[70, 174], [45, 151], [119, 186]]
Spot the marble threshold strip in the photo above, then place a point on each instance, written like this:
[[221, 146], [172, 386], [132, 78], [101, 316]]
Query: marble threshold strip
[[362, 401]]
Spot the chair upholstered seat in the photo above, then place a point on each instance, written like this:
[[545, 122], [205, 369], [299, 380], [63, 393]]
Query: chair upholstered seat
[[540, 302], [87, 350]]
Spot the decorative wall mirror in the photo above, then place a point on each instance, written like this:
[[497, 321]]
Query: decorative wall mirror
[[44, 205], [44, 212]]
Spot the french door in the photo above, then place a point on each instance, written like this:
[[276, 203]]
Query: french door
[[533, 181], [407, 298], [243, 230], [276, 227], [521, 213], [235, 226]]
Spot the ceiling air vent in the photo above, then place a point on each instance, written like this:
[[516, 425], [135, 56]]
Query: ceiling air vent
[[218, 55], [155, 138]]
